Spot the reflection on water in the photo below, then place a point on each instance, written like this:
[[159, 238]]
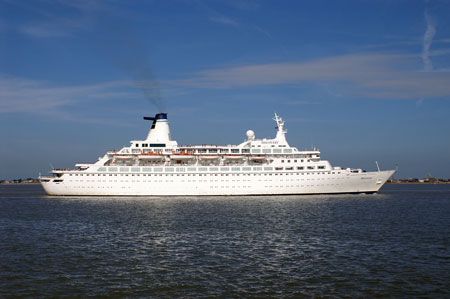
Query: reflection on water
[[395, 243]]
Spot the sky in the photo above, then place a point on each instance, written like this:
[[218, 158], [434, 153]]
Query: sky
[[363, 81]]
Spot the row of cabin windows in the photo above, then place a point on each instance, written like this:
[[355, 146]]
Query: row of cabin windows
[[183, 169], [195, 174], [150, 145], [271, 145], [214, 151]]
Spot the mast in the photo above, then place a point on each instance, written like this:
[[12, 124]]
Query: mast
[[281, 132]]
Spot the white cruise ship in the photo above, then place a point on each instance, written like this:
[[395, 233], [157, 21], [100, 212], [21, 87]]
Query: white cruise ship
[[159, 166]]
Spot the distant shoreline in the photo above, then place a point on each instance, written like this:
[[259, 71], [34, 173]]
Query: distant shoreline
[[33, 183], [418, 183]]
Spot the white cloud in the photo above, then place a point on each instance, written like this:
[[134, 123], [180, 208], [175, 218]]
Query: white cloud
[[372, 75], [427, 40], [443, 40], [33, 96], [225, 20]]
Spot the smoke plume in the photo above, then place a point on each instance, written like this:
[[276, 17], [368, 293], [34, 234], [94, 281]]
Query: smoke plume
[[121, 47]]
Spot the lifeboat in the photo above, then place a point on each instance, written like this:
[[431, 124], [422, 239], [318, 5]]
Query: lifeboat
[[257, 158], [182, 157], [233, 157], [123, 157], [151, 157], [208, 158]]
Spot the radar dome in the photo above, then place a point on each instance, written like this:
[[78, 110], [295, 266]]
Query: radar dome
[[250, 135]]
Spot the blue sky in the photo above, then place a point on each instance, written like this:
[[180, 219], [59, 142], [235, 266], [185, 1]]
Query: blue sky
[[363, 81]]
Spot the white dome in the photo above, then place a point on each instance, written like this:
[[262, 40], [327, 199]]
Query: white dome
[[250, 134]]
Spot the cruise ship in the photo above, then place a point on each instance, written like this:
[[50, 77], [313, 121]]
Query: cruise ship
[[158, 166]]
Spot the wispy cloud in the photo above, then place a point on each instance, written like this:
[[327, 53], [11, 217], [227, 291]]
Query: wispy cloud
[[373, 75], [427, 40], [20, 95], [55, 28], [56, 19], [224, 20]]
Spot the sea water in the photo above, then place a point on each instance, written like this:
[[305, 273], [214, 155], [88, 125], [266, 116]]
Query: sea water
[[395, 243]]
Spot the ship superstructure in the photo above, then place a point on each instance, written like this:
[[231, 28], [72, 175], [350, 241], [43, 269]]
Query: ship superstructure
[[159, 166]]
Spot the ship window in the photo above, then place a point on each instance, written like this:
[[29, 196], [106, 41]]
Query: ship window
[[300, 168], [256, 151], [295, 161], [310, 167], [224, 168], [235, 150], [257, 168], [213, 150], [266, 150], [282, 161], [245, 150], [224, 150], [321, 167], [276, 151], [268, 168], [235, 168], [246, 168], [157, 145]]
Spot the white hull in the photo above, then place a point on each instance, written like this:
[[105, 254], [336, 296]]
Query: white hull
[[101, 184]]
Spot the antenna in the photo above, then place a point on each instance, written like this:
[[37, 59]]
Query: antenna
[[51, 165], [378, 167]]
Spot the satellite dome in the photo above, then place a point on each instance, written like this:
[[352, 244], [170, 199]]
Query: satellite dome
[[250, 135]]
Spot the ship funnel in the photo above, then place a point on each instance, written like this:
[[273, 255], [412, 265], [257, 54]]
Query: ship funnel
[[159, 132]]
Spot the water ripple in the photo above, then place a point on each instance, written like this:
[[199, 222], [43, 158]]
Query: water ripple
[[395, 243]]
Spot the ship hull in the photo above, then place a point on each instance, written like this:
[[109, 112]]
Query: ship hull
[[215, 184]]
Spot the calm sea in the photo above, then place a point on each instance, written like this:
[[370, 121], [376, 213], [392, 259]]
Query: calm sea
[[395, 243]]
